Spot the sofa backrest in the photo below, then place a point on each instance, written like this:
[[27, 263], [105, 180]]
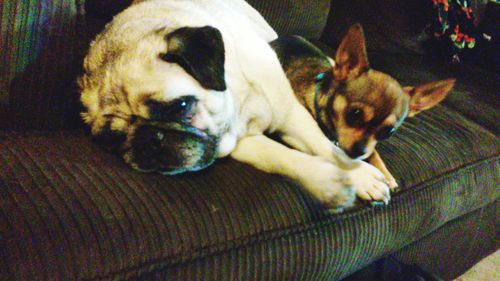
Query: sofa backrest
[[297, 17], [390, 25], [303, 17], [38, 62], [43, 43]]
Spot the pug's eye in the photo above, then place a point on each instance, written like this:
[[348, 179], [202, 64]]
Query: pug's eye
[[385, 132], [180, 108], [354, 117]]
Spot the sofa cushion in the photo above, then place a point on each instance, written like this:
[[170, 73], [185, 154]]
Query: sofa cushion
[[447, 252], [72, 211], [295, 17]]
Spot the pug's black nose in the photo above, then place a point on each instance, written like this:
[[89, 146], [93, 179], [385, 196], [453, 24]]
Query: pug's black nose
[[146, 145], [357, 150]]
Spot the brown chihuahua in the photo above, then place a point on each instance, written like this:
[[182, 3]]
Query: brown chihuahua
[[354, 105]]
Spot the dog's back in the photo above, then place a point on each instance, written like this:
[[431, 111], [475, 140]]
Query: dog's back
[[301, 61]]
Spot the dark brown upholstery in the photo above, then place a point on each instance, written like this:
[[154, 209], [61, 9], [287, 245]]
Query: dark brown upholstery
[[40, 58], [66, 202], [70, 210], [290, 17]]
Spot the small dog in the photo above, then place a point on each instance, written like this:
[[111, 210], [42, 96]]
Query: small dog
[[171, 85], [355, 106]]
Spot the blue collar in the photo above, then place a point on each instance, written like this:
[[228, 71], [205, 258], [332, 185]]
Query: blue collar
[[318, 81], [317, 112]]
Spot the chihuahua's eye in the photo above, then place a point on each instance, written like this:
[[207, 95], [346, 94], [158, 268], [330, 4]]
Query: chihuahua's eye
[[385, 132], [354, 117]]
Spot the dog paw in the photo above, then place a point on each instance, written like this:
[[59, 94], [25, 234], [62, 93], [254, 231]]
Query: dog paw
[[393, 184], [391, 181], [370, 184], [329, 184]]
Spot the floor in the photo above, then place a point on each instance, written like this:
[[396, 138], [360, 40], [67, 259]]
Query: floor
[[487, 269]]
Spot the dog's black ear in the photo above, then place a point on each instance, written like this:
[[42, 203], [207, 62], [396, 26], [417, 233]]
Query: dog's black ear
[[200, 51]]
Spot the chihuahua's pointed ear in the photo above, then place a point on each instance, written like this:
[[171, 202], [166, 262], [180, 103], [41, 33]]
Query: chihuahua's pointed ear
[[200, 51], [351, 59], [425, 96]]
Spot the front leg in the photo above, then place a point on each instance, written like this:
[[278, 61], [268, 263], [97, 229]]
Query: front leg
[[376, 161], [321, 178], [301, 131]]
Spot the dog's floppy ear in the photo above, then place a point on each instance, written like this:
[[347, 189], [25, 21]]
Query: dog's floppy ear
[[200, 51], [351, 59], [425, 96]]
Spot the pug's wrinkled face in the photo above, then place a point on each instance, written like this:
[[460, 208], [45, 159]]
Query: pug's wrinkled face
[[160, 100]]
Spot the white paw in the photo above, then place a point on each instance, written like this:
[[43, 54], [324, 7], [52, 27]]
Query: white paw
[[370, 184], [328, 183]]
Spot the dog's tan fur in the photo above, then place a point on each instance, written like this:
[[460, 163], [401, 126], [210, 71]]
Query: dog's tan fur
[[124, 69]]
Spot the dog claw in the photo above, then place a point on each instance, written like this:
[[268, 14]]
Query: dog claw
[[378, 203], [396, 189]]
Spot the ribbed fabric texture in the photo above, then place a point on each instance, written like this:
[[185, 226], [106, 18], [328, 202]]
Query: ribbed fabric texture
[[292, 17], [307, 18], [71, 211], [448, 251], [39, 60], [458, 245]]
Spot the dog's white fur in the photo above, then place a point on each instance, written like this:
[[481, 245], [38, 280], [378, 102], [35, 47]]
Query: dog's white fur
[[258, 98]]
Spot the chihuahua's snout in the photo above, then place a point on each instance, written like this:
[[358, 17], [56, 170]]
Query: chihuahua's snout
[[357, 150]]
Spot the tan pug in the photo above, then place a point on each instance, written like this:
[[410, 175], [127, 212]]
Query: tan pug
[[171, 85]]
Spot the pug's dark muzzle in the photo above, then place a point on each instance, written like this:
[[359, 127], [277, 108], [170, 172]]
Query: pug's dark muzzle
[[172, 148]]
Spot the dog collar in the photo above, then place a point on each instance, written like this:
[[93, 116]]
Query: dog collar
[[318, 81], [405, 113], [317, 112]]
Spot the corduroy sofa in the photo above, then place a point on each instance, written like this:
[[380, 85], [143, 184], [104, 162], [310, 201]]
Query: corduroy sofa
[[71, 211]]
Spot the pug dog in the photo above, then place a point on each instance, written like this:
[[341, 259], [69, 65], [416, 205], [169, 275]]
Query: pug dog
[[171, 85]]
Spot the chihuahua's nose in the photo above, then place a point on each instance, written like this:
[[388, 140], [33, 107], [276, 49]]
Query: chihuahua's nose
[[357, 150]]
